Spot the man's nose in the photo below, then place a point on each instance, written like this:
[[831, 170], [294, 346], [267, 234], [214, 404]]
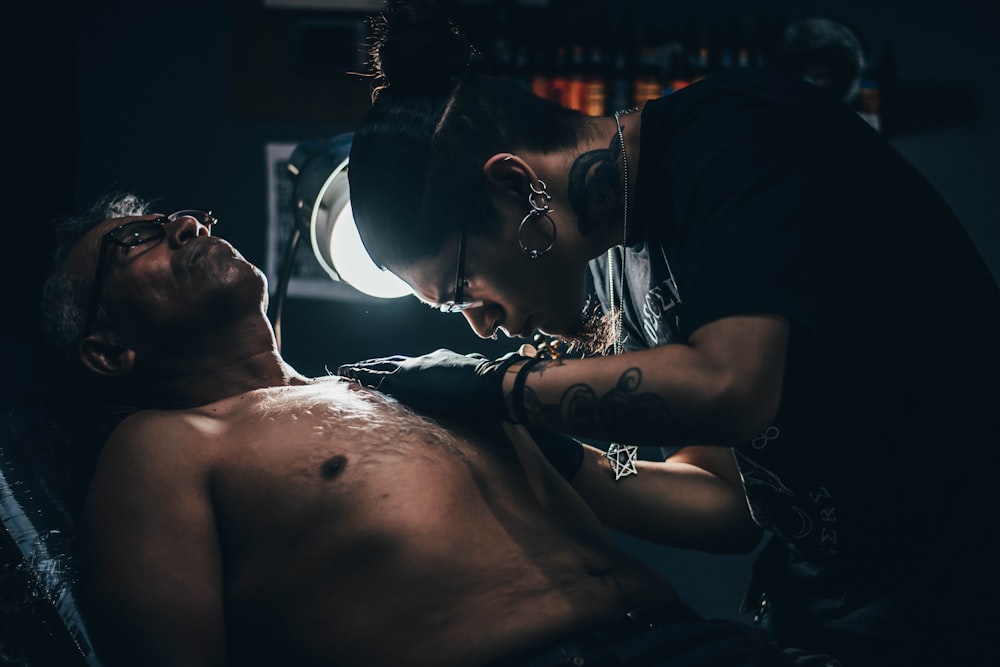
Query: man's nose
[[186, 227]]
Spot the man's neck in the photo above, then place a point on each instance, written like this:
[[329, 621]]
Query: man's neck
[[198, 383]]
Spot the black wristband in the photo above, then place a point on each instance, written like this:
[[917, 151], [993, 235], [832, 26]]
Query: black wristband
[[517, 392], [563, 452]]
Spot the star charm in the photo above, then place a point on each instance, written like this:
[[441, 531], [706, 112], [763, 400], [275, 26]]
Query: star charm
[[622, 460]]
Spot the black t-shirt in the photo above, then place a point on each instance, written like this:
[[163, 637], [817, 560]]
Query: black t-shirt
[[759, 193]]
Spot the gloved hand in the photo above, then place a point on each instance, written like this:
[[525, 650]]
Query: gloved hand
[[442, 382]]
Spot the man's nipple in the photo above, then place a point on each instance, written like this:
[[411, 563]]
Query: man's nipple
[[333, 466]]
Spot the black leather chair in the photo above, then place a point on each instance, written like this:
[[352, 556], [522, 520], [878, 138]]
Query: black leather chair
[[41, 623]]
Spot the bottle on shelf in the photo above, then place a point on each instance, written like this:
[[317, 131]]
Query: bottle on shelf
[[575, 79], [521, 65], [678, 71], [621, 56], [656, 65], [735, 44], [619, 83], [867, 100], [595, 96], [559, 77], [647, 84], [499, 54], [717, 48], [759, 46], [702, 54], [540, 81], [529, 55]]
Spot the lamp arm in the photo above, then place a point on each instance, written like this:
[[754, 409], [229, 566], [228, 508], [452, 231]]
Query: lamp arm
[[283, 279]]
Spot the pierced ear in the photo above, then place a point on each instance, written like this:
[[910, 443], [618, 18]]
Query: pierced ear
[[103, 353], [507, 173]]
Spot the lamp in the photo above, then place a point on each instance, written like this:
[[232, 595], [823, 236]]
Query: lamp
[[322, 210]]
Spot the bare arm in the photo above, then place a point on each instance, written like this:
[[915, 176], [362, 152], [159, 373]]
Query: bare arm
[[153, 565], [693, 500], [721, 388]]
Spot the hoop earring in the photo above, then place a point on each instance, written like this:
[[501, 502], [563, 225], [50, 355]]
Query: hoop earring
[[537, 212]]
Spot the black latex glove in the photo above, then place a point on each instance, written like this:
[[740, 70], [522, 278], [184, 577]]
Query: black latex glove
[[442, 382]]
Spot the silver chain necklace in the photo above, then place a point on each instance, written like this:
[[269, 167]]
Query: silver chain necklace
[[616, 311], [621, 458]]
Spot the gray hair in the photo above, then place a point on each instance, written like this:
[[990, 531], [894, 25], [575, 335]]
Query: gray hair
[[63, 306]]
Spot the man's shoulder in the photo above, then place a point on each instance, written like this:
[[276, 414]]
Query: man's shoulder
[[146, 431], [151, 452], [150, 418]]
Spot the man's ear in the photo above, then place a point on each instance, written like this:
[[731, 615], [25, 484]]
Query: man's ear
[[105, 354], [507, 174]]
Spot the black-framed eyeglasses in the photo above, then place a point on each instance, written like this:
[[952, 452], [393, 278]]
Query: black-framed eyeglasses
[[458, 304], [128, 236]]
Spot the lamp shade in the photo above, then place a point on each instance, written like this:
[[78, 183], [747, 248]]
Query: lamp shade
[[323, 207]]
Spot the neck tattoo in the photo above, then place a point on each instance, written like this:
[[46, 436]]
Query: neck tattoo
[[616, 310]]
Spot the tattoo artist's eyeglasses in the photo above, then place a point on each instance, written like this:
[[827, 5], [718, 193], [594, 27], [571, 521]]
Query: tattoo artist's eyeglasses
[[458, 304], [128, 236]]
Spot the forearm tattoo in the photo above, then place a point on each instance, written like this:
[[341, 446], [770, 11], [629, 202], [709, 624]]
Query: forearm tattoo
[[595, 190], [623, 414]]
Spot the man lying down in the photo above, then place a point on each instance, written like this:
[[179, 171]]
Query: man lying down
[[245, 514]]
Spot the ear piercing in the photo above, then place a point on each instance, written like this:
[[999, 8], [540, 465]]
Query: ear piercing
[[537, 212]]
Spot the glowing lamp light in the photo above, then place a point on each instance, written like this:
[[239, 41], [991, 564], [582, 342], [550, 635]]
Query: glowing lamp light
[[337, 244], [322, 208]]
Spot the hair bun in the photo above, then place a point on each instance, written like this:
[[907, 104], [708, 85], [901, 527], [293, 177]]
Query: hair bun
[[417, 47]]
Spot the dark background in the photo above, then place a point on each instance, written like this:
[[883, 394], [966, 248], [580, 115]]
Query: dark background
[[177, 99]]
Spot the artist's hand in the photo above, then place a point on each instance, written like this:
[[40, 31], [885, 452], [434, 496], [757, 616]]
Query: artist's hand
[[442, 382]]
